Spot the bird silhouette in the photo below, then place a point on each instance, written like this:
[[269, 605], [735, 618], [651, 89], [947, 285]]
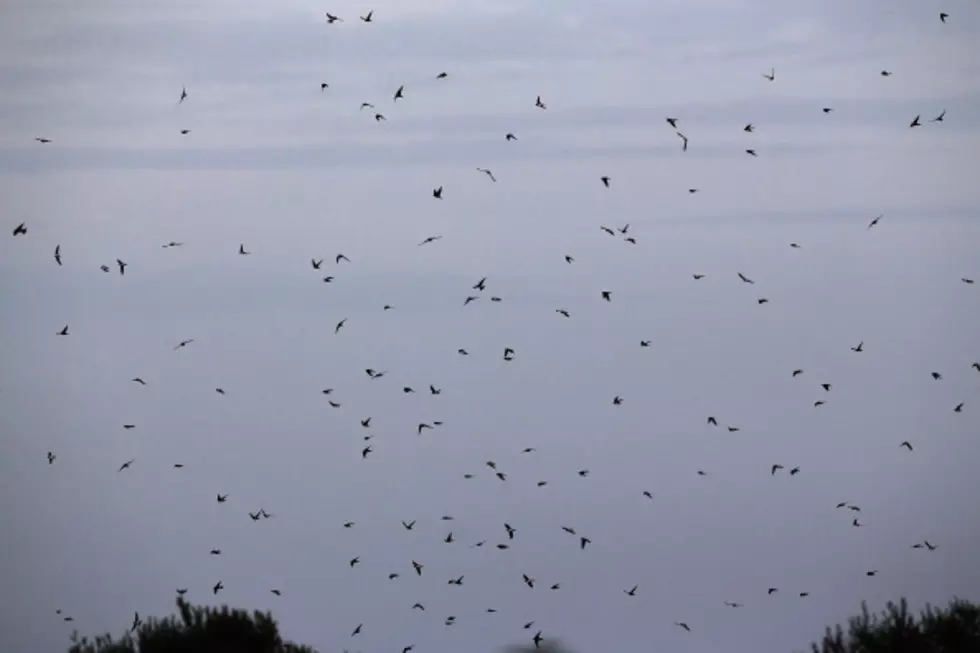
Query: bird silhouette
[[21, 229]]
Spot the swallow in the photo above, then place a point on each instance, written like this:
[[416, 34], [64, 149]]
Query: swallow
[[583, 541], [21, 229], [672, 122], [826, 386], [794, 245], [324, 86], [400, 93], [818, 403], [617, 400], [915, 122], [873, 572], [537, 639], [408, 525], [731, 604], [906, 444], [365, 105], [359, 626], [959, 408], [122, 266], [539, 104], [859, 348], [368, 17], [487, 173], [434, 390], [683, 625], [181, 591], [455, 581], [57, 254], [647, 494], [771, 76], [683, 138], [339, 258], [967, 281], [745, 278], [940, 117], [762, 300], [749, 128], [215, 552], [631, 591], [775, 468], [510, 530], [794, 471], [644, 343], [733, 429], [712, 421], [418, 567], [218, 587], [241, 250], [365, 451], [331, 19], [254, 516], [508, 354], [378, 117], [354, 561], [64, 331], [772, 590], [827, 109], [569, 259], [423, 425], [562, 311]]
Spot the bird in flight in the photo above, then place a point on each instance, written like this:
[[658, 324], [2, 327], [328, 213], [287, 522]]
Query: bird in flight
[[339, 325], [51, 457], [859, 348], [672, 122], [771, 76], [21, 229], [64, 331], [400, 93], [430, 239], [182, 344], [368, 17], [631, 591], [183, 95], [875, 221], [42, 141], [538, 103], [683, 138], [943, 16], [915, 122], [437, 193], [379, 117], [122, 266], [241, 250], [442, 75], [510, 137], [605, 181], [324, 86], [751, 152], [487, 173], [940, 117], [906, 444], [126, 465], [886, 73], [749, 128], [331, 19], [683, 625], [745, 278], [57, 254]]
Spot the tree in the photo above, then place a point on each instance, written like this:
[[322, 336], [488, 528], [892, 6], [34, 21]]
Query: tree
[[198, 630], [950, 630]]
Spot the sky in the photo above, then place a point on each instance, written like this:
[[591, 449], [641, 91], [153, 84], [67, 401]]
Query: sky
[[295, 173]]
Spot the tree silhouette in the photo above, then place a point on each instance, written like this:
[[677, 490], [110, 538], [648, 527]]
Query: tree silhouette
[[199, 629], [950, 630]]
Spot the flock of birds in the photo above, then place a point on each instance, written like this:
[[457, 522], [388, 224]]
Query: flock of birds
[[508, 532]]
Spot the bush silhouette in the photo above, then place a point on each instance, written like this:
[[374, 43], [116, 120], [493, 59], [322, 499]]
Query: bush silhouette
[[198, 629], [955, 629]]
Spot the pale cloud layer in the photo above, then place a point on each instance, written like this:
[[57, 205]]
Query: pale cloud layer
[[294, 173]]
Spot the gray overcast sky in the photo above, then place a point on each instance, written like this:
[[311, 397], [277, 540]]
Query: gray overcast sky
[[295, 173]]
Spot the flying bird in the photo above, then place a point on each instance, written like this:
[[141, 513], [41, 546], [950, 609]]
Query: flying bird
[[126, 465], [906, 444], [487, 173], [241, 250], [437, 193], [631, 591], [683, 138], [331, 19], [859, 348], [943, 16], [400, 93], [915, 122], [771, 76], [368, 17], [183, 343], [745, 278], [672, 122], [442, 75], [57, 254], [341, 257], [683, 625], [940, 117], [605, 181], [510, 137], [42, 141], [122, 266], [63, 332], [874, 222], [538, 103], [21, 229], [183, 95], [430, 239], [340, 324]]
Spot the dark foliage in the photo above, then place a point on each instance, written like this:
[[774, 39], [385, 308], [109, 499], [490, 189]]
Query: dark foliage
[[198, 629], [955, 629]]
